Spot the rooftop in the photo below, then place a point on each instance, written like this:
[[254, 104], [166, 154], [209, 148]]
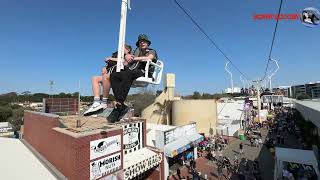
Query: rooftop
[[16, 157]]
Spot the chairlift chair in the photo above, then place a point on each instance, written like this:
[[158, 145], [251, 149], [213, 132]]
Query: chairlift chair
[[154, 79]]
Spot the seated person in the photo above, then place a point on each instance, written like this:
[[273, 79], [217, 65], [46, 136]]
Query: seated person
[[122, 81], [104, 80]]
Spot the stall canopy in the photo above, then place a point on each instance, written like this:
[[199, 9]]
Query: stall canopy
[[195, 138], [296, 156], [181, 144], [299, 156]]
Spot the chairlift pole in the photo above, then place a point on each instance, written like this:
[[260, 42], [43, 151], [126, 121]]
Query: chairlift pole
[[274, 72], [231, 79], [243, 81], [122, 34]]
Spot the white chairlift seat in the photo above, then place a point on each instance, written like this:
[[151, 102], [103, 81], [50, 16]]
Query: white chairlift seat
[[154, 79]]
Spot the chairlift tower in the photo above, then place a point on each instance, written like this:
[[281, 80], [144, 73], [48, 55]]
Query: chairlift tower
[[273, 73], [122, 33], [231, 78]]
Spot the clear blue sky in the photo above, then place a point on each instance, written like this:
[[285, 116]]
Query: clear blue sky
[[66, 41]]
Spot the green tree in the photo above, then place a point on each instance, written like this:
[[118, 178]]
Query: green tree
[[5, 113], [196, 95]]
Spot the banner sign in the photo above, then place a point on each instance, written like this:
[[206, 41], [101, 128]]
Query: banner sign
[[103, 147], [142, 167], [132, 137], [105, 166]]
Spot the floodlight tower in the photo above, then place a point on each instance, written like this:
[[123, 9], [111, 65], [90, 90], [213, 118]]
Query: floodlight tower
[[244, 81], [231, 79], [51, 82]]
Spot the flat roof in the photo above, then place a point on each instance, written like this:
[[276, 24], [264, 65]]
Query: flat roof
[[160, 127], [313, 104], [18, 162]]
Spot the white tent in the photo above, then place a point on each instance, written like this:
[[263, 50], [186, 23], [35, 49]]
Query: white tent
[[296, 156]]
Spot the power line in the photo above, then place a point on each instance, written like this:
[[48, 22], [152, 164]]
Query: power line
[[210, 39], [273, 38]]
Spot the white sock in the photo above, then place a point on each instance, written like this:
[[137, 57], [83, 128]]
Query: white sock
[[96, 99]]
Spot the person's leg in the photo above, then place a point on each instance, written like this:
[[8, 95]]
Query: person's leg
[[95, 81], [105, 87], [96, 105], [127, 80]]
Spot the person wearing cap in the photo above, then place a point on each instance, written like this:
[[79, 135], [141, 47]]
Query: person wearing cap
[[104, 80], [122, 81]]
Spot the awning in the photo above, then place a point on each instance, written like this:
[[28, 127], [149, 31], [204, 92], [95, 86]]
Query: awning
[[195, 139], [176, 147], [140, 161], [180, 145]]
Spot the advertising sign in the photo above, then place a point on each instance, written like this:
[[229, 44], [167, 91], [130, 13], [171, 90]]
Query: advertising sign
[[132, 137], [105, 166], [103, 147], [142, 167]]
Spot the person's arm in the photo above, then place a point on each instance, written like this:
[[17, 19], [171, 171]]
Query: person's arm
[[144, 58], [111, 59]]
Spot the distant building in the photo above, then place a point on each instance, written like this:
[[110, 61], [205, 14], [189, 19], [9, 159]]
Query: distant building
[[235, 90], [311, 90], [67, 106]]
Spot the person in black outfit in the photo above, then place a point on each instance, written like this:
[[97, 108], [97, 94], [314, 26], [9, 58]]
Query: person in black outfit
[[179, 173], [122, 81]]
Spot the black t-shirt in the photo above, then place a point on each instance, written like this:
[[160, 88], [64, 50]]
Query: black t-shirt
[[112, 63]]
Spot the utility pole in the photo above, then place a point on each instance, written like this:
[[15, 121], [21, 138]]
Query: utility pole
[[79, 120]]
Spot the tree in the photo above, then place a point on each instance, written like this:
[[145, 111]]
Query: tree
[[196, 95], [5, 113], [303, 96], [163, 110], [141, 100]]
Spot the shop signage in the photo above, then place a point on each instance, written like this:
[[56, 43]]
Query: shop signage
[[132, 137], [103, 147], [142, 167], [105, 166]]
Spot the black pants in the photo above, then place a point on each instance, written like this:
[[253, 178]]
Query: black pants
[[122, 81]]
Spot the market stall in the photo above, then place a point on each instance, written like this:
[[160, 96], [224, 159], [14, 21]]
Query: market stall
[[295, 162]]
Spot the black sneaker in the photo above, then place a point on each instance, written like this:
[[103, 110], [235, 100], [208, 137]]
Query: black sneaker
[[123, 111], [114, 115]]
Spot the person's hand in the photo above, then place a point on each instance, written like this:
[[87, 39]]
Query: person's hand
[[107, 59], [129, 58]]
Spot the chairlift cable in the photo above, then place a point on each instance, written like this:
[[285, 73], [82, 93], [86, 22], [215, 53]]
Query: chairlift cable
[[273, 38], [209, 38]]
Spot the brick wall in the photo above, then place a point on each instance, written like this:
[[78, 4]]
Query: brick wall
[[70, 155], [61, 105]]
